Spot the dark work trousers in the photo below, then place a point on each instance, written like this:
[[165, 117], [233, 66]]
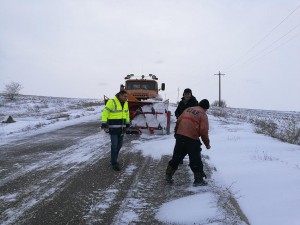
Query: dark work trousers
[[116, 144], [187, 146]]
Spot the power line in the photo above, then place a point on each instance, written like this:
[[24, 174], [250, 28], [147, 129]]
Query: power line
[[267, 35], [254, 59], [261, 53]]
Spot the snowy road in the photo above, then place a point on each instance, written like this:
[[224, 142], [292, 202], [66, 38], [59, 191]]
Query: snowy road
[[35, 169], [64, 177]]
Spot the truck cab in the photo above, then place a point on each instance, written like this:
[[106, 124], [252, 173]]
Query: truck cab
[[142, 88]]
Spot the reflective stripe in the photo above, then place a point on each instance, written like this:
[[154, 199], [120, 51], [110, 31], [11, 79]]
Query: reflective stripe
[[108, 109], [115, 114], [115, 104], [115, 126], [191, 119]]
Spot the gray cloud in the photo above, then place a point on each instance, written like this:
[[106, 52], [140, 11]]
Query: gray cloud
[[68, 46]]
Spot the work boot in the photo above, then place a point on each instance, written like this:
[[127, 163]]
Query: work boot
[[199, 179], [169, 174], [116, 167]]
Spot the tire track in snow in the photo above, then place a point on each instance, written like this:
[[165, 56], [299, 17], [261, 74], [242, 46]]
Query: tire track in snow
[[39, 181]]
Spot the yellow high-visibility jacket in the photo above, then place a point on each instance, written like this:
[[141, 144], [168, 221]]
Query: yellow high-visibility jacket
[[116, 116]]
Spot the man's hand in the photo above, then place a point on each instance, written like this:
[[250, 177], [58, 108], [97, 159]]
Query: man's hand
[[208, 147], [104, 125]]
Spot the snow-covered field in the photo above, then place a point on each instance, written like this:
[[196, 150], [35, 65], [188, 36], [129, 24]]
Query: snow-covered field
[[261, 172], [35, 114]]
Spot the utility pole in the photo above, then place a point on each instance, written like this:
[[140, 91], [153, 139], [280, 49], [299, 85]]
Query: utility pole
[[219, 74]]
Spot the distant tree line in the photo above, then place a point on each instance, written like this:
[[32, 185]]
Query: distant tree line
[[222, 103]]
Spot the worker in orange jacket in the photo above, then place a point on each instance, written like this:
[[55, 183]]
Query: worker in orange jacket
[[191, 125]]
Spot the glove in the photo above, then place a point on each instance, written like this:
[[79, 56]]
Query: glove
[[103, 125], [208, 147]]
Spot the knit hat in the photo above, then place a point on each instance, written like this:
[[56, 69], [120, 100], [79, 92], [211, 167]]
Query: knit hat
[[187, 90], [204, 103]]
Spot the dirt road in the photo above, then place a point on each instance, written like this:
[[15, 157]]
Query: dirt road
[[43, 181]]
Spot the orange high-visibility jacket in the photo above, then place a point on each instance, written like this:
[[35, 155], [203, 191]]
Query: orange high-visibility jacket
[[193, 123]]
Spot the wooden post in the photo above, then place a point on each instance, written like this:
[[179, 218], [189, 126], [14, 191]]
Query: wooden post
[[219, 74]]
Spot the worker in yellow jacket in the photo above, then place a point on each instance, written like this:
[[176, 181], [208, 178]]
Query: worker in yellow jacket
[[115, 117]]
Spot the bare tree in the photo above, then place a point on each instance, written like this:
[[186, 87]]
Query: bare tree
[[219, 103], [12, 90]]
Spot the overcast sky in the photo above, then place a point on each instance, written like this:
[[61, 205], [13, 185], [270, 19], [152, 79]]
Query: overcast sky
[[77, 48]]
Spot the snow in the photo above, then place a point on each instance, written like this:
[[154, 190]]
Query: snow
[[199, 209], [262, 172]]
